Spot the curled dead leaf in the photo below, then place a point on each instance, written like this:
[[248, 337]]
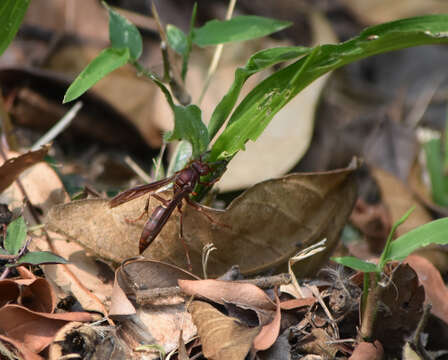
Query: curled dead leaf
[[136, 277], [222, 337], [435, 288], [35, 330], [297, 303], [23, 350], [163, 318], [222, 292], [14, 166], [34, 294], [269, 332]]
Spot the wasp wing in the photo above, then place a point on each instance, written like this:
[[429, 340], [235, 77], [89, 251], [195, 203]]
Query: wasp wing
[[138, 191]]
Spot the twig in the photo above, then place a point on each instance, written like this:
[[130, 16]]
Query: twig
[[137, 169], [159, 161], [13, 259], [144, 297], [317, 295], [60, 126], [216, 55], [416, 338]]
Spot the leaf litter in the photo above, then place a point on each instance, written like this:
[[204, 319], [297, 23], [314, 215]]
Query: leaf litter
[[306, 315]]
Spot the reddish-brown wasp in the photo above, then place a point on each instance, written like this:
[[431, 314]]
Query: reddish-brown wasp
[[184, 182]]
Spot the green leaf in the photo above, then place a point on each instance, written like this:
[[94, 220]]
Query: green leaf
[[124, 34], [186, 56], [189, 126], [258, 108], [107, 61], [386, 251], [435, 166], [177, 39], [180, 158], [39, 258], [356, 263], [11, 16], [435, 232], [257, 62], [240, 28], [15, 236]]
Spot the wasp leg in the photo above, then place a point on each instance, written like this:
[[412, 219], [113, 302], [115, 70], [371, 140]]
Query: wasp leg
[[181, 237], [146, 209]]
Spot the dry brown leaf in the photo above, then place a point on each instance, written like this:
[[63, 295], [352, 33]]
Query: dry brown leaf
[[35, 294], [297, 303], [9, 291], [368, 351], [373, 220], [319, 342], [142, 275], [88, 280], [23, 350], [269, 332], [222, 337], [399, 199], [44, 189], [435, 288], [182, 349], [14, 166], [402, 300], [268, 223], [379, 11], [165, 317], [54, 15], [221, 292], [35, 330]]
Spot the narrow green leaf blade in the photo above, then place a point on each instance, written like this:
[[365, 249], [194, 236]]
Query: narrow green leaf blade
[[106, 62], [435, 232], [257, 62], [356, 263], [435, 166], [258, 108], [386, 251], [188, 126], [39, 258], [15, 236], [124, 34], [11, 16], [239, 28], [177, 39]]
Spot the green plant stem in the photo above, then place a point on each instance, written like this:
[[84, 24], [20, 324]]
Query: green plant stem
[[154, 78], [13, 259], [445, 143], [365, 291], [385, 254], [370, 310], [434, 164], [189, 42]]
